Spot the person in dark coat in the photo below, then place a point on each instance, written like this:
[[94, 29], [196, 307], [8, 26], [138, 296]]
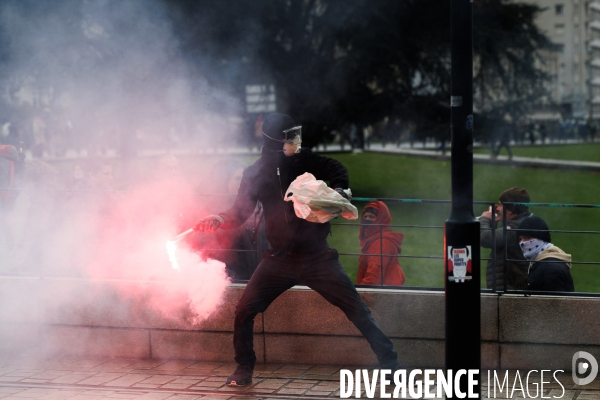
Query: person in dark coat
[[516, 272], [299, 253], [550, 267]]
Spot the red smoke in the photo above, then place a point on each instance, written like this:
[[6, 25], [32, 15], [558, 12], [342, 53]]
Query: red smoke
[[128, 243]]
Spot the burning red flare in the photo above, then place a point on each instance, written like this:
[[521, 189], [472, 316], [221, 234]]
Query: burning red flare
[[171, 252], [172, 248]]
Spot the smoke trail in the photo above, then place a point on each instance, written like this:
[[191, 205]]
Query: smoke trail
[[114, 70], [97, 75]]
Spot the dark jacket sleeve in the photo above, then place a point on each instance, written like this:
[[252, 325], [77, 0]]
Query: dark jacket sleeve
[[245, 202], [485, 237], [328, 169]]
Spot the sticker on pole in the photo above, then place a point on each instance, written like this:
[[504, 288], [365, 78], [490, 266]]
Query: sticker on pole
[[459, 264]]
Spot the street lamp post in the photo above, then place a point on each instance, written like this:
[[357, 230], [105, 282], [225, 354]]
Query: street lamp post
[[461, 230]]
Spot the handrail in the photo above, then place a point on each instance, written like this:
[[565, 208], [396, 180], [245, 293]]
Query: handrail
[[381, 254]]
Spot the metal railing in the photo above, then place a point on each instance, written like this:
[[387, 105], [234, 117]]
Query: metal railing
[[401, 256], [570, 231], [493, 258]]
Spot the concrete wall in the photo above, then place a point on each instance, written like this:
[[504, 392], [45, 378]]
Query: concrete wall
[[299, 327]]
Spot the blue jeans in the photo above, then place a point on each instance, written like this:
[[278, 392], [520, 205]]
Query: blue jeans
[[322, 272]]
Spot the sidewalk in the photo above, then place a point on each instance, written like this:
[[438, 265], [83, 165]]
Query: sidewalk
[[486, 159], [73, 378], [76, 379]]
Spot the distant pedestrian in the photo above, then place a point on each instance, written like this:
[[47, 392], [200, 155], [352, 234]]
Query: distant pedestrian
[[583, 130], [520, 133], [575, 130], [345, 136], [392, 132], [564, 130], [543, 133], [593, 130], [504, 141], [412, 134], [531, 133]]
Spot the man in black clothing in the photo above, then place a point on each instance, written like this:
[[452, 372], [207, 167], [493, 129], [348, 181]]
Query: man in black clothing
[[550, 267], [299, 253]]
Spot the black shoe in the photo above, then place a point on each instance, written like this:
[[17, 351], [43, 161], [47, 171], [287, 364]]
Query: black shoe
[[242, 376]]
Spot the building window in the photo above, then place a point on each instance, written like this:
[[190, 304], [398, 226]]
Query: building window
[[559, 29], [260, 98], [559, 9]]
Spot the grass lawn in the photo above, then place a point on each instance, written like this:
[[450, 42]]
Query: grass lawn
[[377, 175], [579, 152]]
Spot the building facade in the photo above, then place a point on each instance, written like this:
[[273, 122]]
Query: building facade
[[574, 25]]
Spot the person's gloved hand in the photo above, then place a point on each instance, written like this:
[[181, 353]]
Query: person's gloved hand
[[347, 194], [209, 224]]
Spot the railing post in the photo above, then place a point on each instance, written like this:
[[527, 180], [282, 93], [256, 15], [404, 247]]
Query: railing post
[[504, 240], [381, 251], [494, 258]]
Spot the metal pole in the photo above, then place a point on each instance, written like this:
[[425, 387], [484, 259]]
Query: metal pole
[[493, 253], [381, 251], [505, 244], [461, 230]]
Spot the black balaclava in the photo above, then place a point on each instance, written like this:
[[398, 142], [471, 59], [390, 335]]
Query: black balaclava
[[273, 127]]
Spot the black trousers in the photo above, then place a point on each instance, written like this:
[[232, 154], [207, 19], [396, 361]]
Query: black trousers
[[322, 272]]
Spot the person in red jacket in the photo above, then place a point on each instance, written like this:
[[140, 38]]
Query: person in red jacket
[[376, 238]]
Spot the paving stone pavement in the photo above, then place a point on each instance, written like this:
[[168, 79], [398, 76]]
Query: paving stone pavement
[[108, 378]]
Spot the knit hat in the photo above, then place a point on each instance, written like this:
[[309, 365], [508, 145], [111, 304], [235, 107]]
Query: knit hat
[[516, 195], [273, 127], [534, 227]]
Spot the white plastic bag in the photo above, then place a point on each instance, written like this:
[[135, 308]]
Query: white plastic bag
[[314, 201]]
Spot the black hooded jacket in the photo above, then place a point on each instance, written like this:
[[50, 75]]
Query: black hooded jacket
[[267, 181], [550, 275]]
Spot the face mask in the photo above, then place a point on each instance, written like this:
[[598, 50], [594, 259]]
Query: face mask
[[290, 149], [532, 248]]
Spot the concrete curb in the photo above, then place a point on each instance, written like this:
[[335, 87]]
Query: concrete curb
[[501, 160]]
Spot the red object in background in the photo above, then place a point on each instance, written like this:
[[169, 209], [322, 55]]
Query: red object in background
[[379, 238]]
